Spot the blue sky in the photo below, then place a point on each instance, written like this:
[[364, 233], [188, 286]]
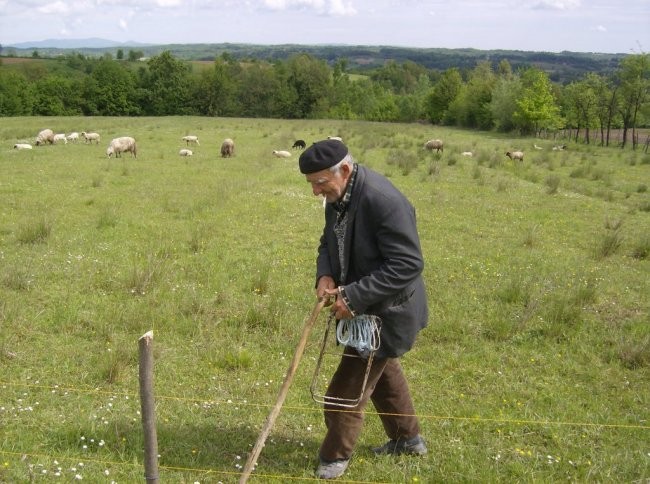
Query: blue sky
[[536, 25]]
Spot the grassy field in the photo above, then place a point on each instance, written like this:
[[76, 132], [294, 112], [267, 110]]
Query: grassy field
[[535, 366]]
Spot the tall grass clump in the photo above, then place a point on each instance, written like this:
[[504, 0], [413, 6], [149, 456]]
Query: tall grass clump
[[641, 248], [35, 232], [107, 218], [634, 354], [237, 359], [16, 278], [552, 184], [406, 161], [608, 244], [530, 236], [142, 277]]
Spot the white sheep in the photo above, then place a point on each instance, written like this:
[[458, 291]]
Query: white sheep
[[467, 153], [227, 148], [434, 144], [22, 146], [191, 139], [515, 155], [185, 152], [45, 136], [90, 137], [60, 137], [559, 148], [281, 154], [73, 137], [121, 145], [338, 138]]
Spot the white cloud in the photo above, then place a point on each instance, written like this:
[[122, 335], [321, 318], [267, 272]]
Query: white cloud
[[54, 8], [556, 4], [338, 7], [168, 3], [123, 24], [329, 7], [601, 28]]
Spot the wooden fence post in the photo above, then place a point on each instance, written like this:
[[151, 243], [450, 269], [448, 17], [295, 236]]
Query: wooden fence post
[[147, 407]]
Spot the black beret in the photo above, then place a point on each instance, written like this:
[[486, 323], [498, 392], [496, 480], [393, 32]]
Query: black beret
[[322, 155]]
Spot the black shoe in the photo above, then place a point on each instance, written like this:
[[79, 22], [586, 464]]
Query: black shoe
[[413, 446]]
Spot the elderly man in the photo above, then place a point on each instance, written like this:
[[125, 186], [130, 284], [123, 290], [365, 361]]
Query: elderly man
[[370, 263]]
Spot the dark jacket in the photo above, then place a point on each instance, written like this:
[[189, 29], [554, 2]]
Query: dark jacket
[[384, 258]]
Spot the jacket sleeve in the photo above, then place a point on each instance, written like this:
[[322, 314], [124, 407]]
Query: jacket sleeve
[[323, 265], [390, 257]]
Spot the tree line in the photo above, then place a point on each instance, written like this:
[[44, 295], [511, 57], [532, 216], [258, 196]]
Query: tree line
[[486, 97]]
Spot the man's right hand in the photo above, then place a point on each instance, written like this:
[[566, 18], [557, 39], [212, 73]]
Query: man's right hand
[[324, 287]]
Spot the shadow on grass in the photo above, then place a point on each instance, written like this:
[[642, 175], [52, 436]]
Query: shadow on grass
[[224, 450]]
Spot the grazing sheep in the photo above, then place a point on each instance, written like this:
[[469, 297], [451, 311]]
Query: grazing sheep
[[300, 144], [73, 137], [537, 147], [227, 148], [434, 144], [467, 153], [45, 136], [281, 154], [185, 152], [559, 148], [121, 145], [335, 137], [60, 137], [515, 155], [191, 139], [90, 137], [22, 146]]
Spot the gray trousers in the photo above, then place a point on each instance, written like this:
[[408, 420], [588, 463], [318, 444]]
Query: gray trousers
[[388, 390]]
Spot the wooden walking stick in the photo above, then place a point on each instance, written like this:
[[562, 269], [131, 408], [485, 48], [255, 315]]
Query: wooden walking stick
[[284, 389]]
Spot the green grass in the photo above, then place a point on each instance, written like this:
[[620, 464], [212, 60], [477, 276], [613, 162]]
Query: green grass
[[535, 366]]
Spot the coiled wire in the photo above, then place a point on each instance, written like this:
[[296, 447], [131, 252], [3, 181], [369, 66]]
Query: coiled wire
[[360, 333]]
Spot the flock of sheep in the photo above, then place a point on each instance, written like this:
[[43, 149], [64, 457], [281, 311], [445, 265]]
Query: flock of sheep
[[117, 146], [436, 144], [127, 144]]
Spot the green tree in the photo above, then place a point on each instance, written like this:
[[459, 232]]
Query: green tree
[[634, 76], [308, 81], [536, 107], [113, 89], [443, 93], [605, 108], [471, 106], [215, 90], [134, 55], [504, 102], [168, 84], [54, 96], [14, 94], [120, 54], [257, 90], [399, 78], [581, 103]]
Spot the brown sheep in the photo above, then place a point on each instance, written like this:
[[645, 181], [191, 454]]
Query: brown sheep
[[227, 148], [434, 144], [515, 155]]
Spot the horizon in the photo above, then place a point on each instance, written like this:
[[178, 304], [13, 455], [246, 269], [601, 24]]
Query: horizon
[[587, 26], [104, 43]]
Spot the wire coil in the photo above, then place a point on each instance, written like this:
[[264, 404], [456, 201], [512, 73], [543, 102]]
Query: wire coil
[[360, 333]]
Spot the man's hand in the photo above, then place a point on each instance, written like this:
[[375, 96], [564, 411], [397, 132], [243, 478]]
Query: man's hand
[[325, 284]]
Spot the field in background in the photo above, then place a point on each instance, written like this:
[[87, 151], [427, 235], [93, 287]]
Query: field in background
[[535, 365]]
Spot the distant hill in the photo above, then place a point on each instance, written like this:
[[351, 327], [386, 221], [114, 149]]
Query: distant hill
[[561, 67], [92, 43]]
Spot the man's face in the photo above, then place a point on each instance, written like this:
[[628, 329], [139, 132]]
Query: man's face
[[329, 184]]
